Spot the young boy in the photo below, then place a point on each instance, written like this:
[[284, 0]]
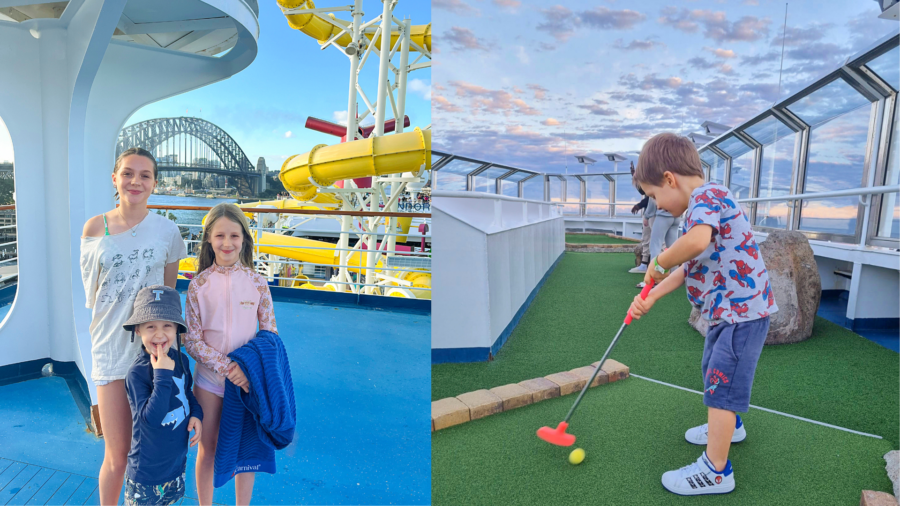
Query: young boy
[[163, 408], [727, 279]]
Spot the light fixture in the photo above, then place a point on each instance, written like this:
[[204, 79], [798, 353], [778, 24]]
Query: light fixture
[[351, 49]]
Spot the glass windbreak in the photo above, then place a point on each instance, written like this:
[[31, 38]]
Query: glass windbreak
[[555, 189], [533, 189], [889, 221], [741, 167], [733, 147], [837, 151], [596, 189], [775, 173], [832, 100], [887, 68], [573, 194], [768, 130], [716, 166], [486, 182], [626, 195], [452, 177], [509, 185]]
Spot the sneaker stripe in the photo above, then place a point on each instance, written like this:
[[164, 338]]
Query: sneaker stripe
[[691, 482], [707, 480], [696, 477]]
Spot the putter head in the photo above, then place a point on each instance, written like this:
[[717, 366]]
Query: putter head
[[556, 436]]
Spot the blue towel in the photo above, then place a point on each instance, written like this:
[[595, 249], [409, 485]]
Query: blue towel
[[254, 425]]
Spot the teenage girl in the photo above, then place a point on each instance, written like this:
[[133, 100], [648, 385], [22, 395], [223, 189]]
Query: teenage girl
[[226, 302], [122, 251]]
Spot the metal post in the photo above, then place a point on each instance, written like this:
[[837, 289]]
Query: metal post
[[352, 125], [384, 59], [402, 77]]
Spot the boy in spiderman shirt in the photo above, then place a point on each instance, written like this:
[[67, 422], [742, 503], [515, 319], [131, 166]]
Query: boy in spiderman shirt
[[726, 278]]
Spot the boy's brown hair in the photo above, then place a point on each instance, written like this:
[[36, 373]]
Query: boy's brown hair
[[667, 152]]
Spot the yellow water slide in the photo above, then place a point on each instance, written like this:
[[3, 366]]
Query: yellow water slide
[[322, 29]]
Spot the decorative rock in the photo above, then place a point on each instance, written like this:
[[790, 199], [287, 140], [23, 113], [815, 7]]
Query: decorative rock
[[513, 396], [567, 382], [448, 412], [872, 498], [481, 403], [893, 469], [614, 369], [796, 285], [541, 389], [587, 371]]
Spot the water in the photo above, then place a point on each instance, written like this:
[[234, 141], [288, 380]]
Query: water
[[186, 217]]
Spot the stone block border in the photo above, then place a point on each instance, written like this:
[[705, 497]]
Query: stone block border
[[481, 403]]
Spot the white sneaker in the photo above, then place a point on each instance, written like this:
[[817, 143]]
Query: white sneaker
[[699, 478], [700, 435], [640, 269], [640, 285]]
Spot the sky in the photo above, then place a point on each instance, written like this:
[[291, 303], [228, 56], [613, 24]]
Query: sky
[[577, 77], [264, 107]]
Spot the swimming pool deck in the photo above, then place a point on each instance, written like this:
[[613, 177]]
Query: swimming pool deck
[[361, 382]]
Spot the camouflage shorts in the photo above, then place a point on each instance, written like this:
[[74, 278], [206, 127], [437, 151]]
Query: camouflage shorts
[[170, 492]]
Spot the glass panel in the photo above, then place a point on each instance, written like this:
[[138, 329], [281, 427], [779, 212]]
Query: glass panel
[[627, 194], [573, 194], [828, 102], [837, 151], [596, 189], [775, 177], [741, 172], [889, 224], [733, 147], [509, 188], [453, 176], [716, 166], [533, 189], [555, 189], [486, 181], [887, 68], [517, 176], [766, 131]]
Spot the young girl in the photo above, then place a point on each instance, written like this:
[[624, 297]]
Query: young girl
[[122, 251], [226, 302]]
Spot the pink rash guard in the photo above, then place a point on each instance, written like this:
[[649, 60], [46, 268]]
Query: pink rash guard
[[224, 306]]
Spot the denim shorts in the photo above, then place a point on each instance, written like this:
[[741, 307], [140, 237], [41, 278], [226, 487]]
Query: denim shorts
[[138, 494], [730, 355]]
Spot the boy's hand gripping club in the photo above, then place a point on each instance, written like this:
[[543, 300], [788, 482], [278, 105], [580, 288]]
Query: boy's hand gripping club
[[558, 436]]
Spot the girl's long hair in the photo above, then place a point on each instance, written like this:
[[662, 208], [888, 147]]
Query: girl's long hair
[[140, 152], [207, 256]]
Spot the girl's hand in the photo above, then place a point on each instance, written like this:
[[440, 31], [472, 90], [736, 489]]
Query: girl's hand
[[640, 307], [195, 425], [236, 376], [161, 360]]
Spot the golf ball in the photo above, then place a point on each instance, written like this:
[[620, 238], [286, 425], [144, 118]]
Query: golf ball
[[576, 456]]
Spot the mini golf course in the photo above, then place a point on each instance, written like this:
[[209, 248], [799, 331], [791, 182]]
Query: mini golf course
[[595, 239], [633, 430]]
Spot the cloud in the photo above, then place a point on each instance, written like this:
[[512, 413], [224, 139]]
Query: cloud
[[597, 108], [539, 91], [421, 87], [508, 4], [340, 117], [630, 97], [721, 53], [442, 104], [288, 134], [640, 45], [559, 22], [454, 6], [867, 27], [522, 55], [798, 35], [650, 82], [550, 122], [492, 101], [751, 2], [771, 56], [462, 39], [658, 110], [698, 62], [603, 18], [716, 25]]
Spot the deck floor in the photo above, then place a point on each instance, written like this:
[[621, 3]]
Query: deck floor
[[361, 382]]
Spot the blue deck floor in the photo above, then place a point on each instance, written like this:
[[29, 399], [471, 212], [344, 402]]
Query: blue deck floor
[[834, 309], [362, 386]]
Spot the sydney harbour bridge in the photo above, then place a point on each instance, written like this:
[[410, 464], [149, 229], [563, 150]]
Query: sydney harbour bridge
[[192, 145]]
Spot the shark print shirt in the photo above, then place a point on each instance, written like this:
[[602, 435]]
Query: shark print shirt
[[728, 281], [162, 404]]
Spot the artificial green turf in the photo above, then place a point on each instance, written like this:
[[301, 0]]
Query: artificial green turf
[[595, 239], [633, 431], [836, 376]]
